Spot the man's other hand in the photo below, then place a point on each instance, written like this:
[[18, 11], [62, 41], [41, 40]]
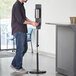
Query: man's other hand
[[35, 24]]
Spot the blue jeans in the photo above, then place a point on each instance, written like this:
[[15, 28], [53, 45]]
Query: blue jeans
[[21, 49]]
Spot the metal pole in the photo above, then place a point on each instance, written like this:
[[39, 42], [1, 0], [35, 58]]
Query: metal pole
[[37, 53], [37, 71]]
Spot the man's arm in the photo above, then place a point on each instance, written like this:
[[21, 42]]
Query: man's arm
[[18, 14], [27, 21], [21, 20]]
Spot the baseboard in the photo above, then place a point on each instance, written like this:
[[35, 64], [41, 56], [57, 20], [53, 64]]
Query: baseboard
[[47, 54], [44, 53]]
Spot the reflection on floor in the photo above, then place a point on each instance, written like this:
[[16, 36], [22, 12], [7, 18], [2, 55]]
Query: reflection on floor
[[4, 54], [29, 62]]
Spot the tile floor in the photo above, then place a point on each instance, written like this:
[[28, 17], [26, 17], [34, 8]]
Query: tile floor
[[29, 62]]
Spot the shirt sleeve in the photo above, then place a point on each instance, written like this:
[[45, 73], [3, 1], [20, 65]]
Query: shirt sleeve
[[18, 15]]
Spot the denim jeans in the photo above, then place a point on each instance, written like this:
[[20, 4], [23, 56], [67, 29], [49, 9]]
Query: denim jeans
[[21, 49]]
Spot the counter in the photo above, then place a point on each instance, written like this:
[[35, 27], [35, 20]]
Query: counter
[[65, 48]]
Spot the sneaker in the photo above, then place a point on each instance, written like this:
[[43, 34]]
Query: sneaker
[[22, 71], [13, 67]]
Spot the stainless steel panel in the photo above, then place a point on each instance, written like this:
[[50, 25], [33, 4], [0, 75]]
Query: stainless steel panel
[[65, 49]]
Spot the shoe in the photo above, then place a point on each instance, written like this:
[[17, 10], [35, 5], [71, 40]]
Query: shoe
[[22, 70], [13, 67]]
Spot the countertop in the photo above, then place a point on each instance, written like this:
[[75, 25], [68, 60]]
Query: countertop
[[61, 24]]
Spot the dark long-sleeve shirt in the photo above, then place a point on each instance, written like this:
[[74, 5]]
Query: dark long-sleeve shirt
[[18, 18]]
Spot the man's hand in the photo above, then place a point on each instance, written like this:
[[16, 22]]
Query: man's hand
[[35, 24], [28, 21]]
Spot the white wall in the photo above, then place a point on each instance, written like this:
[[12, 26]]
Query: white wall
[[52, 11]]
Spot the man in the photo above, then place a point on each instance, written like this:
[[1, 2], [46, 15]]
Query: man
[[19, 30]]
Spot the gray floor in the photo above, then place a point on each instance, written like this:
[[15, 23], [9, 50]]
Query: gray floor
[[29, 62]]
